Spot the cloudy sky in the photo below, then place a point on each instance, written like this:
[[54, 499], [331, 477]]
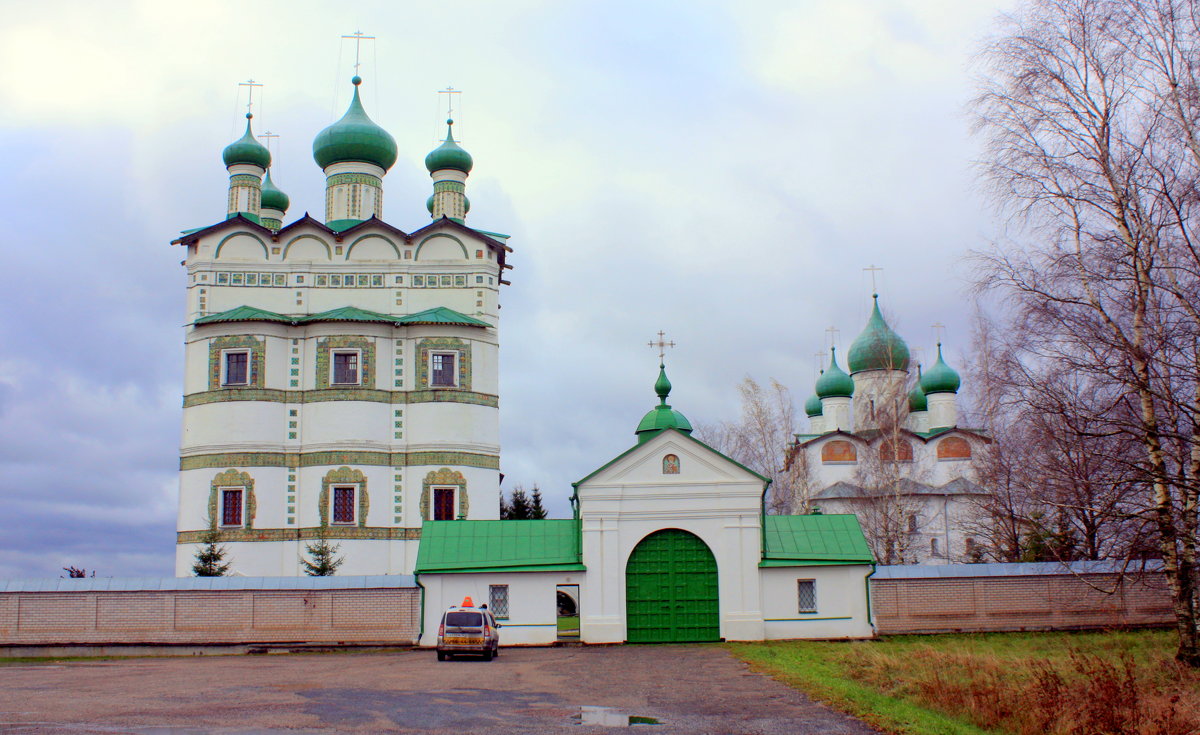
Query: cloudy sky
[[722, 171]]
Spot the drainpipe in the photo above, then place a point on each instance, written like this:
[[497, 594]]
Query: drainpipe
[[421, 628], [867, 582], [762, 522], [578, 525]]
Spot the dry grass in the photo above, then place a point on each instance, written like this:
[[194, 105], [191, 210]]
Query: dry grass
[[1121, 683]]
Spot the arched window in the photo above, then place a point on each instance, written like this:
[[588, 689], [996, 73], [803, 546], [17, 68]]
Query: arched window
[[953, 447], [670, 465], [895, 450], [838, 451]]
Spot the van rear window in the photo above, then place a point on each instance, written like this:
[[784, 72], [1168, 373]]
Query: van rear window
[[464, 620]]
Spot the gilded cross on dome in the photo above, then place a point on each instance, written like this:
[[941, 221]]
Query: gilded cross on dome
[[662, 344], [250, 99], [358, 39], [873, 269]]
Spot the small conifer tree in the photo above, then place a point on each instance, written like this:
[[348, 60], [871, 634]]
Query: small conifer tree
[[325, 560], [518, 505], [536, 510], [210, 558]]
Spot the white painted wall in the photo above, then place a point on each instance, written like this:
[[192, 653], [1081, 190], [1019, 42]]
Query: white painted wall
[[842, 609], [533, 610]]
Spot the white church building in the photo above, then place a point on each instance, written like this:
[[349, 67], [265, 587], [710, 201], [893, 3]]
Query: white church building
[[893, 455], [342, 382]]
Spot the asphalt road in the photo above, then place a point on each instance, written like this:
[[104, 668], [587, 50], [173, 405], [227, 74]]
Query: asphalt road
[[688, 689]]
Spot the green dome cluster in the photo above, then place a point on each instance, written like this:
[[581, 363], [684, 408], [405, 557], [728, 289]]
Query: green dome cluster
[[834, 383], [878, 347], [272, 196], [813, 407], [355, 138], [449, 155], [246, 150], [941, 378], [661, 416]]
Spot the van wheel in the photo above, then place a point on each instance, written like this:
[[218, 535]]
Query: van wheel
[[496, 652], [487, 655], [441, 656]]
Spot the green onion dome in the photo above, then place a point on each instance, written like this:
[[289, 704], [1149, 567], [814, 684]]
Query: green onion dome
[[917, 400], [834, 383], [246, 149], [272, 196], [661, 416], [355, 138], [449, 154], [941, 378], [813, 406], [878, 347]]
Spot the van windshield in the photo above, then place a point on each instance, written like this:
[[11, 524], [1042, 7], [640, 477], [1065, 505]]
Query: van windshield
[[464, 620]]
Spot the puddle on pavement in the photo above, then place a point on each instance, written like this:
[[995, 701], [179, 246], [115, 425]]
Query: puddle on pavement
[[610, 717]]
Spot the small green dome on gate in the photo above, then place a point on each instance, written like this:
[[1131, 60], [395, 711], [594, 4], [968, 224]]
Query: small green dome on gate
[[878, 347], [449, 155], [355, 138], [662, 416], [834, 383], [246, 150], [941, 378], [272, 196], [813, 406]]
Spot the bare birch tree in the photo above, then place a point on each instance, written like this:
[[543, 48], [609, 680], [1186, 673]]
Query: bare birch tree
[[1089, 111]]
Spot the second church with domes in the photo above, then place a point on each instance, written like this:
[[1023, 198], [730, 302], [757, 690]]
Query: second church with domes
[[341, 374], [884, 442]]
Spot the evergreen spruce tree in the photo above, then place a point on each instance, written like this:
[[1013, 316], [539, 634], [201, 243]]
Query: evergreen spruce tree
[[518, 506], [505, 508], [536, 511], [210, 558], [325, 560]]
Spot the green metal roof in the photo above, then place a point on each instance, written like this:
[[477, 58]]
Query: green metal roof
[[449, 155], [436, 315], [440, 315], [941, 378], [878, 347], [808, 540], [355, 137], [495, 546], [244, 314], [246, 149], [834, 382]]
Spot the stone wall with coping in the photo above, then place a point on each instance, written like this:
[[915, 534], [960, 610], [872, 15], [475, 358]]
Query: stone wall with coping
[[1015, 597]]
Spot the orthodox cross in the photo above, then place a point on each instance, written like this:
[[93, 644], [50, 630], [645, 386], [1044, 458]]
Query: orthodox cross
[[449, 92], [662, 345], [250, 100], [939, 330], [820, 358], [873, 269], [833, 333], [269, 136], [358, 39]]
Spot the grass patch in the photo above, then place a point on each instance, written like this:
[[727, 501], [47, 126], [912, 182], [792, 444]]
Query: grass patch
[[1019, 683], [568, 623]]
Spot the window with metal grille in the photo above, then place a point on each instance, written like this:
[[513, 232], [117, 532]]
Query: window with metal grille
[[498, 601], [236, 368], [443, 369], [345, 368], [343, 505], [231, 507], [807, 597]]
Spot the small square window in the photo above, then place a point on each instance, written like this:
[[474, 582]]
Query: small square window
[[343, 504], [236, 368], [807, 595], [498, 601], [442, 369], [345, 368], [479, 279], [231, 506]]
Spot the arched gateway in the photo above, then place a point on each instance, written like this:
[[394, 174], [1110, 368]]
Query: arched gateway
[[671, 590]]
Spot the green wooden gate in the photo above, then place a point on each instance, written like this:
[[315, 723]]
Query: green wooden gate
[[671, 590]]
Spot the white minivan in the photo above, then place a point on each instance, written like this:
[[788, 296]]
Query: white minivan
[[470, 630]]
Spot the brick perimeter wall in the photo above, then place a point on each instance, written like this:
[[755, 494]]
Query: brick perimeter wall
[[1050, 602], [211, 617]]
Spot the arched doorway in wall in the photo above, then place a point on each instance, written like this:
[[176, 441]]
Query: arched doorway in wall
[[671, 590]]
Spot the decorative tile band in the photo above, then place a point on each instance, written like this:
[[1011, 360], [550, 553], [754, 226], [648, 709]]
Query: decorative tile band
[[319, 459], [367, 179], [272, 395], [368, 533]]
